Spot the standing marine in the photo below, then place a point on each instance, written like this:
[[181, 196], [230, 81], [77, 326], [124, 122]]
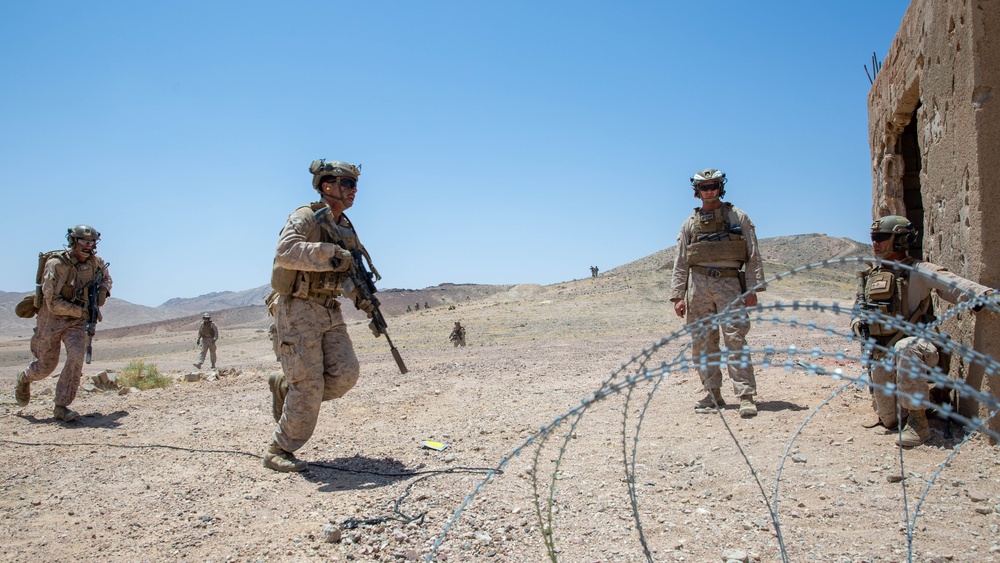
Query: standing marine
[[70, 280], [717, 260], [457, 335], [893, 291], [208, 333], [310, 272]]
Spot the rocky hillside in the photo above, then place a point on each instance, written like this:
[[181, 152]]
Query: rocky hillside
[[780, 253], [245, 308]]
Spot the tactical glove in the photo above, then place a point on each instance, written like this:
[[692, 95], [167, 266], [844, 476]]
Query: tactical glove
[[374, 329], [102, 296], [341, 260], [364, 305]]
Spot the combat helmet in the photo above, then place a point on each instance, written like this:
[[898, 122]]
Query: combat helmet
[[81, 231], [902, 231], [708, 176], [206, 316], [321, 168]]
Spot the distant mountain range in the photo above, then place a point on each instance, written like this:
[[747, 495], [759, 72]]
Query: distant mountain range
[[246, 308]]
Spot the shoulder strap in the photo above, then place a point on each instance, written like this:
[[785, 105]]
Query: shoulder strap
[[44, 257]]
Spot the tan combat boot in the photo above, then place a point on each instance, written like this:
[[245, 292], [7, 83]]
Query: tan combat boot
[[279, 460], [748, 409], [916, 430], [279, 388], [65, 414], [22, 389], [710, 403]]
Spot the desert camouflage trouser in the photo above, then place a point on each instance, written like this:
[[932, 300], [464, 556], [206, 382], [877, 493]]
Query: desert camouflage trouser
[[913, 358], [705, 297], [319, 364], [51, 332], [207, 345]]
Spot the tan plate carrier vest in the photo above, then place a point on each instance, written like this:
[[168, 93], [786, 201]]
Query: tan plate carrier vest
[[713, 241]]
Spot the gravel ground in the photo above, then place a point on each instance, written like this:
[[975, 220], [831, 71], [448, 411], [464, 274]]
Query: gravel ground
[[175, 474]]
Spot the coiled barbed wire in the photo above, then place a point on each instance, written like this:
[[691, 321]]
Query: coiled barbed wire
[[631, 374]]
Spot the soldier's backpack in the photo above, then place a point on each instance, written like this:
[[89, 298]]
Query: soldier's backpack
[[29, 306]]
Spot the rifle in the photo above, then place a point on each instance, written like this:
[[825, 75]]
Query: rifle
[[363, 281], [863, 329], [93, 310]]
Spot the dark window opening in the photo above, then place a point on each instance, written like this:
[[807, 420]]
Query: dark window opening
[[908, 147]]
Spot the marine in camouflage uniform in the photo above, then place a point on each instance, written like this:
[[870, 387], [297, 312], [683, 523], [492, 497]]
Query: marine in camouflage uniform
[[892, 290], [317, 356], [717, 259], [208, 333], [457, 335], [67, 278]]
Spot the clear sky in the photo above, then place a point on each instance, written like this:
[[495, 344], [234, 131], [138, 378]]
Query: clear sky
[[500, 142]]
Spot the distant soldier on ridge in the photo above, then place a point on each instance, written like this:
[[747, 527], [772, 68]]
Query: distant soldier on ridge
[[717, 260], [457, 335], [72, 285], [208, 333]]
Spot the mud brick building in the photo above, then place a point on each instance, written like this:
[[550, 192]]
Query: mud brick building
[[934, 130]]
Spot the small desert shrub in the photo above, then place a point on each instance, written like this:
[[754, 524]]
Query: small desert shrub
[[142, 375]]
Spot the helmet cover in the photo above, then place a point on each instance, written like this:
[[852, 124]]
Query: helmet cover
[[320, 168], [81, 231], [903, 231], [707, 176]]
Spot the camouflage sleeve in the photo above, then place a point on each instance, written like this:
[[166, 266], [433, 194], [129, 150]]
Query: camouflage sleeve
[[951, 287], [54, 276], [755, 265], [299, 247], [679, 282]]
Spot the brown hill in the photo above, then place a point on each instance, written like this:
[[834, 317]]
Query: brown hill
[[245, 308], [780, 253]]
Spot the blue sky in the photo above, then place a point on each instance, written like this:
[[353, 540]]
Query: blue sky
[[500, 142]]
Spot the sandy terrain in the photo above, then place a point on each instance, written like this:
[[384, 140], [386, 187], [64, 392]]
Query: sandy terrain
[[175, 474]]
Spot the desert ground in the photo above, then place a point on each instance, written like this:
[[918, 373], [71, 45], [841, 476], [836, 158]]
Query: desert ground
[[564, 400]]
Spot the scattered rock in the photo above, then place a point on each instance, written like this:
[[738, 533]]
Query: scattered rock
[[976, 495], [331, 533], [106, 381], [735, 555]]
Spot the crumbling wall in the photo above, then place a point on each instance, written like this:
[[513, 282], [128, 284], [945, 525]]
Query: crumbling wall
[[943, 70]]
